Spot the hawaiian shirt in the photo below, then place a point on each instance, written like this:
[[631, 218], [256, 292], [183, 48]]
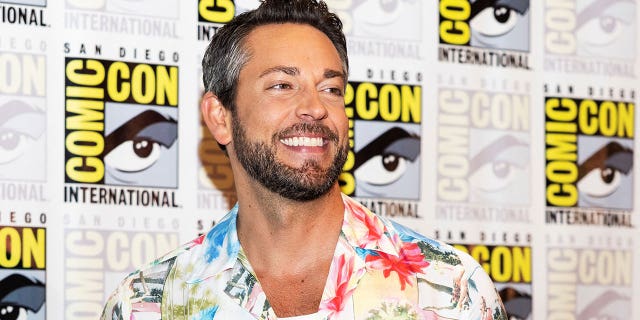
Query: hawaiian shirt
[[380, 270]]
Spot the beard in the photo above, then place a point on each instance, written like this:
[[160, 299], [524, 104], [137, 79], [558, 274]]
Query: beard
[[308, 182]]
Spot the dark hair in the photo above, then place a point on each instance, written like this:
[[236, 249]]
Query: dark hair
[[226, 54]]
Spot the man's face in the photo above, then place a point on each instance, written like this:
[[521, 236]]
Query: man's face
[[290, 127]]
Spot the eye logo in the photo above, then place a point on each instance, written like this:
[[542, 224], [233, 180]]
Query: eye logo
[[385, 165], [609, 305], [141, 151], [20, 296], [592, 28], [485, 24], [499, 171], [392, 19], [604, 178], [589, 153], [500, 24], [22, 145], [606, 28]]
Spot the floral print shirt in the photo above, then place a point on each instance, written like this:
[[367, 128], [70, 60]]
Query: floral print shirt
[[380, 270]]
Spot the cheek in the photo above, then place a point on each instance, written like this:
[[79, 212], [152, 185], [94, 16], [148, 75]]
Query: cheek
[[341, 121]]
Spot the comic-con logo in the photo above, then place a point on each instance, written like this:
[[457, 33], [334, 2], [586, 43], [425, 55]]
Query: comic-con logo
[[485, 24], [591, 28], [483, 147], [22, 117], [121, 126], [605, 274], [589, 153], [487, 33], [384, 140], [22, 272]]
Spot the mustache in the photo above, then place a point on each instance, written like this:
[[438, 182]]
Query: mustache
[[308, 128]]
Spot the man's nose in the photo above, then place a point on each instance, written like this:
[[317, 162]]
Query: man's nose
[[311, 107]]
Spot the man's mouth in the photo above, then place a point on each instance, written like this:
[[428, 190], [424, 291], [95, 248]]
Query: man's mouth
[[303, 141], [306, 135]]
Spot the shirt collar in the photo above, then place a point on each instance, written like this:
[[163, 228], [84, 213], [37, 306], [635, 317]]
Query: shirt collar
[[366, 232], [219, 249], [362, 229]]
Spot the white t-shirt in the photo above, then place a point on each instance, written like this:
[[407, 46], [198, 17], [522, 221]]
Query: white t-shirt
[[312, 316]]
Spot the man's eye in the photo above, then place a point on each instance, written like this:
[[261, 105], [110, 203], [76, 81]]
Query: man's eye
[[335, 91], [281, 86]]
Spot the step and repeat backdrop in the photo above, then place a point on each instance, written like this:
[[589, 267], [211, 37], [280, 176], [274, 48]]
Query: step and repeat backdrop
[[506, 128]]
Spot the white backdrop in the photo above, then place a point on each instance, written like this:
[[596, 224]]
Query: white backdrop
[[504, 127]]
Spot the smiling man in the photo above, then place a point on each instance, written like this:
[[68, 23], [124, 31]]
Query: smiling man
[[294, 246]]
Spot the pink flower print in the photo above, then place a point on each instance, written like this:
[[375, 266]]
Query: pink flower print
[[368, 229], [407, 263], [198, 240], [339, 287]]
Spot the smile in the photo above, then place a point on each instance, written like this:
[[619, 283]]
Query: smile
[[303, 142]]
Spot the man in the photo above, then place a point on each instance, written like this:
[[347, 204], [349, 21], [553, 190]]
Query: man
[[294, 245]]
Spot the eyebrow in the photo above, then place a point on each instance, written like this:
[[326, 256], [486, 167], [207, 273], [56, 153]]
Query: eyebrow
[[294, 71], [328, 74]]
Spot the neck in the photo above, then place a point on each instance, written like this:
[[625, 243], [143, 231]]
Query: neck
[[289, 244], [274, 230]]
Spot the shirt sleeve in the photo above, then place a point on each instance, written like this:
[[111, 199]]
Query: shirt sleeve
[[119, 304], [476, 292]]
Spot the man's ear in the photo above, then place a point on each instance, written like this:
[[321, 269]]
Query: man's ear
[[216, 116]]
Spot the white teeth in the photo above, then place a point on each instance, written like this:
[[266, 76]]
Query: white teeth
[[302, 142]]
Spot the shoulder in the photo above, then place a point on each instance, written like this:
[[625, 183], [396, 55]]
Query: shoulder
[[143, 291], [470, 290], [450, 278]]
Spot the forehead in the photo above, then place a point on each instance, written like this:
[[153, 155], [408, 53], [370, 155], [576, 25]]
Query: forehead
[[290, 42]]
